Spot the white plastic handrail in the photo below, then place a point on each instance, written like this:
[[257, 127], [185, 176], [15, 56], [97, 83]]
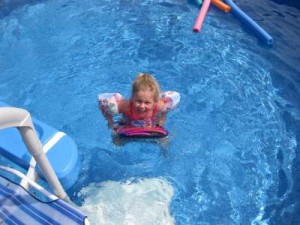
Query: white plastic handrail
[[20, 118], [31, 182]]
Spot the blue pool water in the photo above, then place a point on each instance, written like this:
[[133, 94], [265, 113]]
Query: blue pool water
[[233, 152]]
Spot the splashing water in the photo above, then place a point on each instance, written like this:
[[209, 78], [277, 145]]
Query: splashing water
[[138, 201]]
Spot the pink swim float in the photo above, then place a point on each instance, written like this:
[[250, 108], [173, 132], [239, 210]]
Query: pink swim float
[[142, 132]]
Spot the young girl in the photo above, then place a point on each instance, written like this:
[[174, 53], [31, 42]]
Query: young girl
[[147, 107]]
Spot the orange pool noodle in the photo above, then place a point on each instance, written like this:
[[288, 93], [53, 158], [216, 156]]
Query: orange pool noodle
[[221, 5]]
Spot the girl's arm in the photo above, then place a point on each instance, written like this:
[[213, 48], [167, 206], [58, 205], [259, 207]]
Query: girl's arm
[[170, 100], [162, 118], [123, 107], [108, 104]]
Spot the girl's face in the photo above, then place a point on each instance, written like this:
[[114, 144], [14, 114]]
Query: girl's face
[[143, 103]]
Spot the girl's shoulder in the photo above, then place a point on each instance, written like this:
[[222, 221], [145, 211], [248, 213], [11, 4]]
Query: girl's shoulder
[[160, 105], [124, 106]]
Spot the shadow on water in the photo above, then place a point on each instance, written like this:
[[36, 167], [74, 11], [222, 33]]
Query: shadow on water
[[7, 7], [287, 211], [292, 3]]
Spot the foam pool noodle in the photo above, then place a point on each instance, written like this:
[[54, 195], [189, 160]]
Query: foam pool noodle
[[201, 15], [221, 5], [250, 23], [199, 2]]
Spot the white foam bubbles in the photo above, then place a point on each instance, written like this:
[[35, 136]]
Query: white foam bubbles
[[136, 201]]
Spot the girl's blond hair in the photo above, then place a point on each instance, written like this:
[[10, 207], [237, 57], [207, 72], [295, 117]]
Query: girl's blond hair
[[143, 82]]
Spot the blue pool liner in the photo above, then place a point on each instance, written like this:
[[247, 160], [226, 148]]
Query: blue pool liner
[[249, 22]]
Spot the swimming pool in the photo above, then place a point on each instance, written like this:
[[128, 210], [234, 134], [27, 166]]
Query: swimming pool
[[233, 153]]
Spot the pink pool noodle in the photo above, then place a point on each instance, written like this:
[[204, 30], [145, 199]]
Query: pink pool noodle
[[201, 16]]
